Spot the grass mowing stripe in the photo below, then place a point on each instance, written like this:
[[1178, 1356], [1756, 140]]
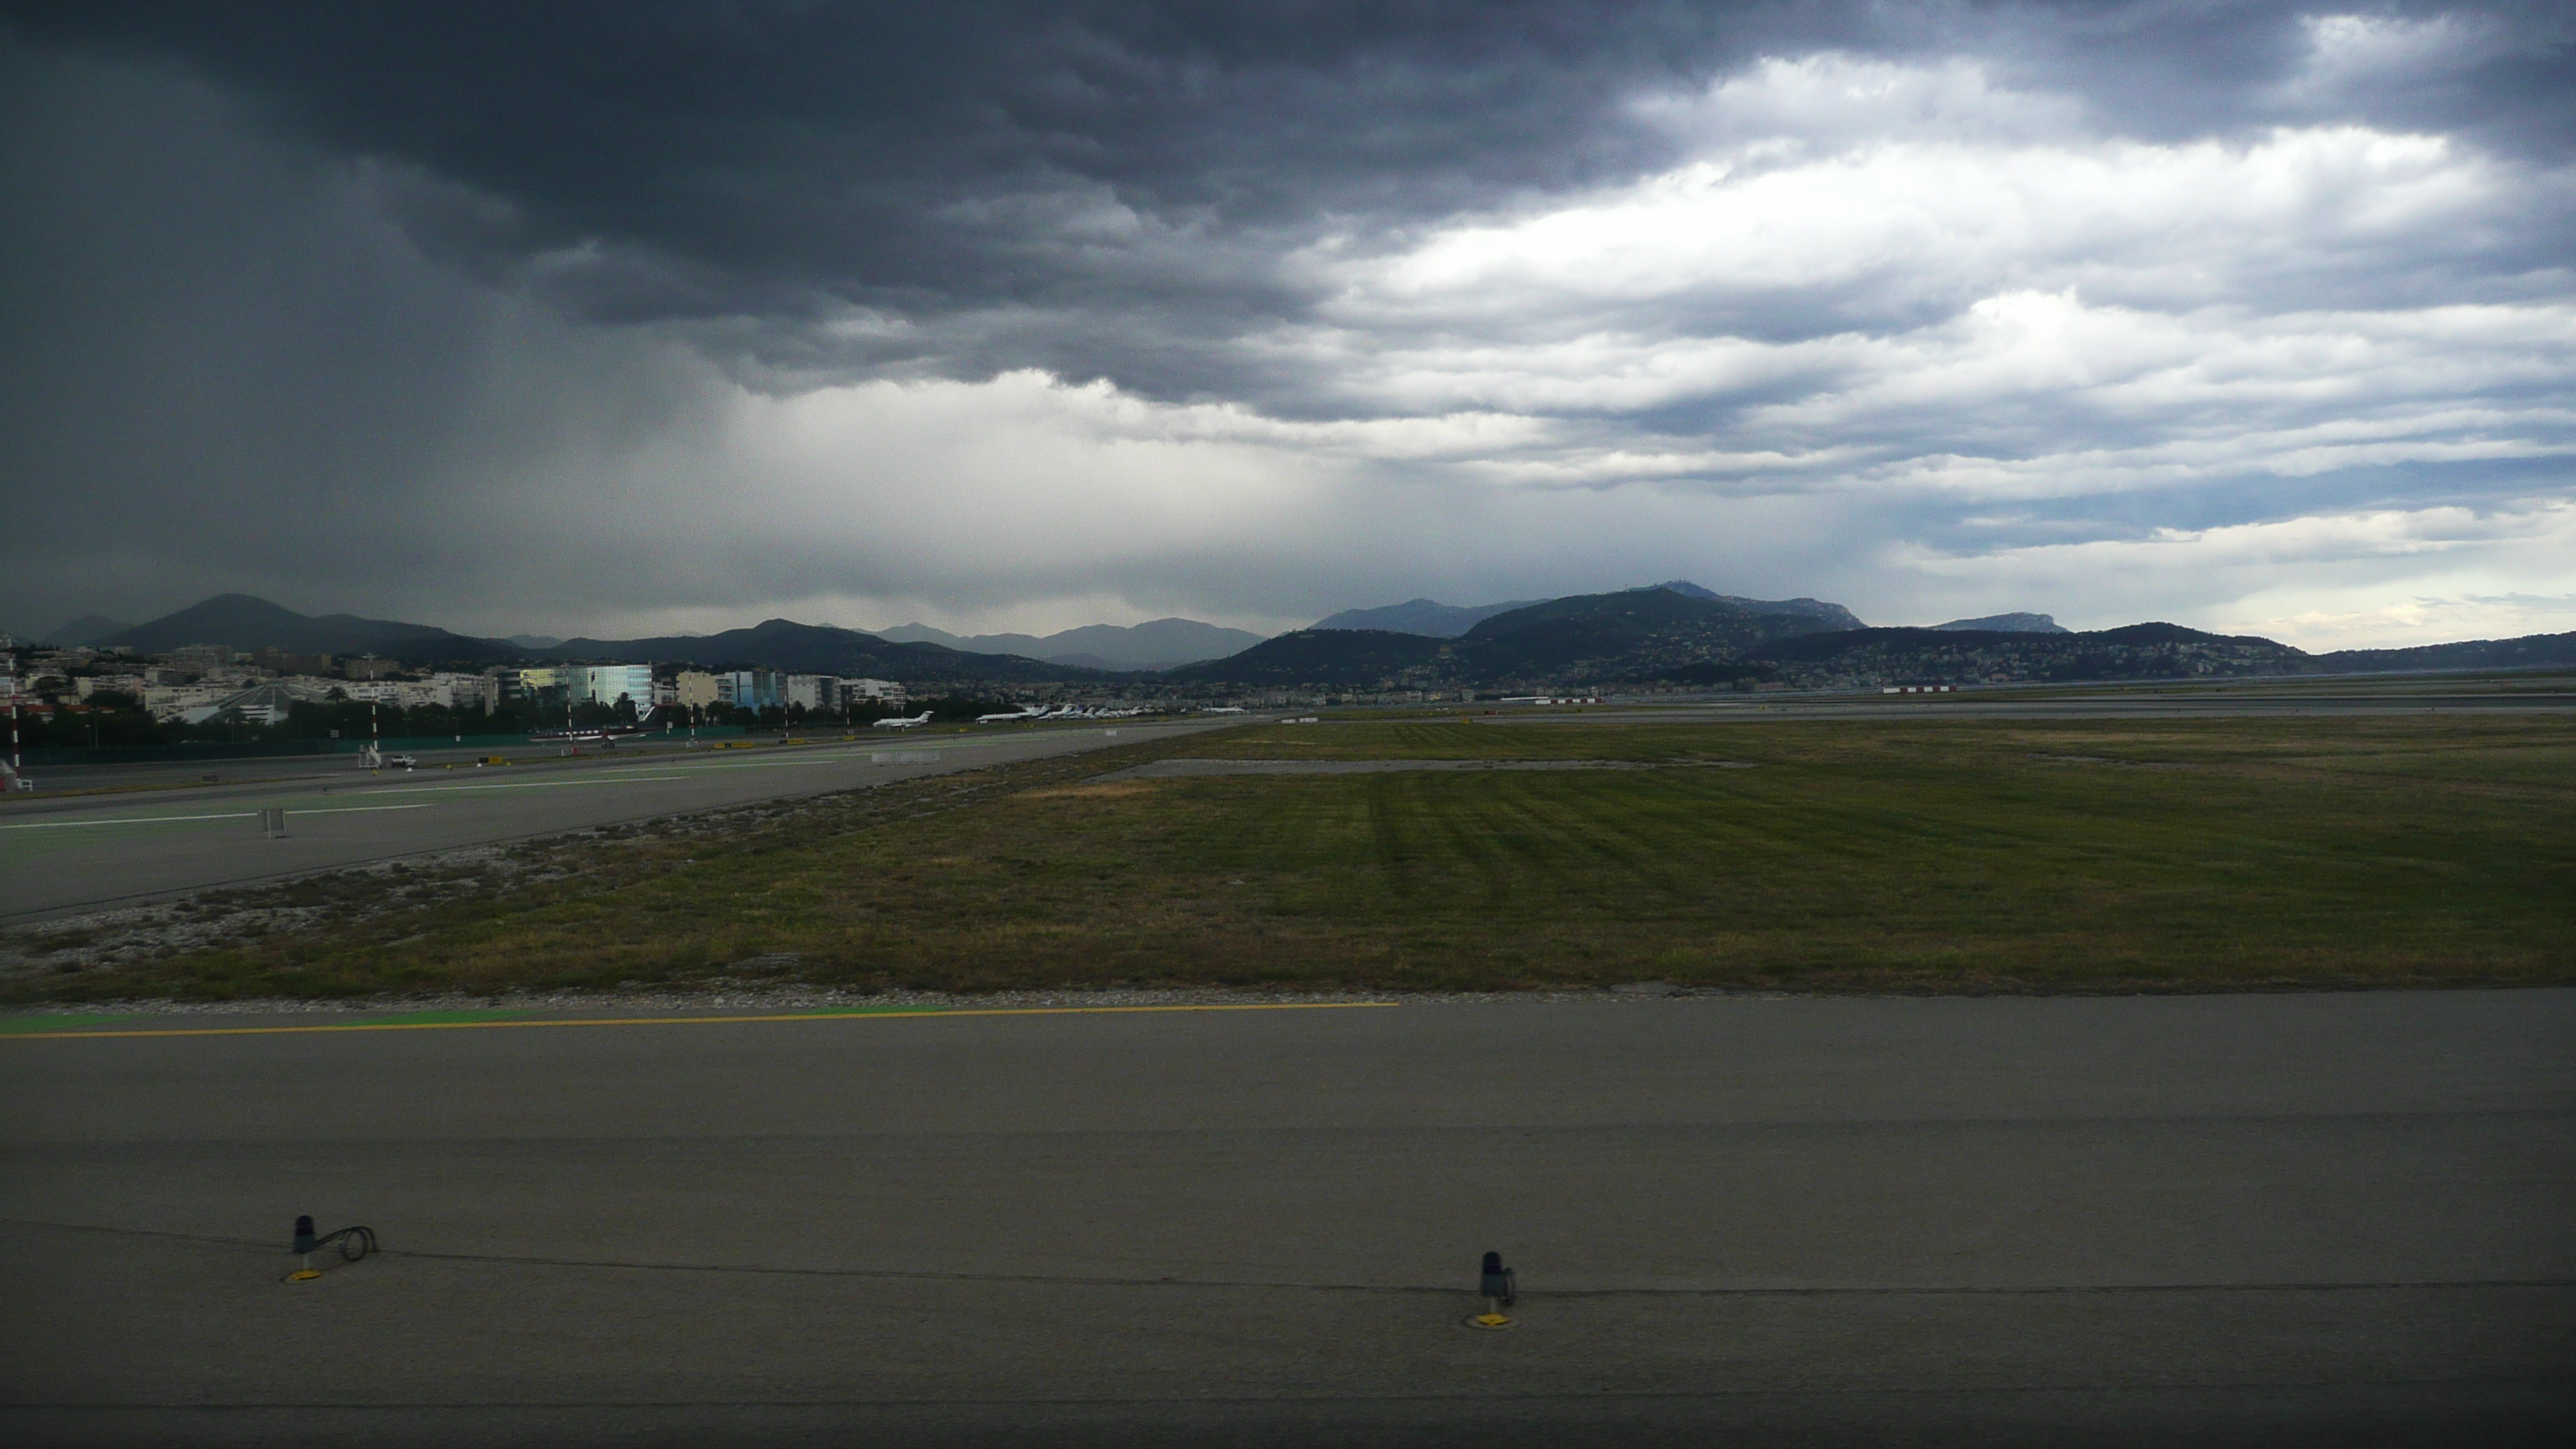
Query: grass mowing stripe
[[1899, 854], [825, 1015], [31, 1025]]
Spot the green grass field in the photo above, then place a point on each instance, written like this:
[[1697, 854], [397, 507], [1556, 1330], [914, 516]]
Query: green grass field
[[1896, 855]]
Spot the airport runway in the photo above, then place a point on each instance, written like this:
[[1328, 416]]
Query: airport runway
[[2303, 1219], [80, 852]]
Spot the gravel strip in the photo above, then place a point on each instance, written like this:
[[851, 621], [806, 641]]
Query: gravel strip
[[730, 997], [1165, 769]]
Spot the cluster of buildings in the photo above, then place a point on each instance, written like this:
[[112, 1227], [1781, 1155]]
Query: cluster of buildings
[[199, 682], [571, 684], [758, 689], [697, 689], [195, 683], [269, 701]]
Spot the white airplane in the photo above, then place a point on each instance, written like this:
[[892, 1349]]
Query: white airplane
[[922, 718], [1026, 711]]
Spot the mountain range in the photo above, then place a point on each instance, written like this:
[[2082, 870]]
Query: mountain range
[[1631, 635], [819, 649], [1421, 616], [1451, 621], [1832, 615], [1671, 636], [1675, 633], [2008, 624], [1155, 644], [242, 622]]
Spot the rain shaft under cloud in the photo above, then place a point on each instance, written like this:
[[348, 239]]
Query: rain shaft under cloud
[[624, 319]]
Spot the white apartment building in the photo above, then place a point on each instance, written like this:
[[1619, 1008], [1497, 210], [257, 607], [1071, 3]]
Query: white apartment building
[[477, 692], [174, 701], [89, 684], [695, 689], [816, 692], [872, 691]]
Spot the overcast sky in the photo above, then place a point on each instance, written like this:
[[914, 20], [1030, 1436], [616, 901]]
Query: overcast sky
[[625, 318]]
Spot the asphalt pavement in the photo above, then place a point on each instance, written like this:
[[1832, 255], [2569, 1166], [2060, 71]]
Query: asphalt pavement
[[66, 853], [2294, 1219]]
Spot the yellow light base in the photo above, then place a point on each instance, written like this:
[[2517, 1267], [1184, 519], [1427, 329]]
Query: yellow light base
[[1489, 1320], [303, 1275]]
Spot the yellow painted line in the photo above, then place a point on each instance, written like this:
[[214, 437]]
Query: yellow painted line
[[694, 1020]]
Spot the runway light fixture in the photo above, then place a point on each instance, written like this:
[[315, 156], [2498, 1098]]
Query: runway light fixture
[[303, 1248], [354, 1243], [1501, 1289]]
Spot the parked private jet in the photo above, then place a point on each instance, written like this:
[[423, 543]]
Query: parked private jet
[[1026, 711], [922, 718]]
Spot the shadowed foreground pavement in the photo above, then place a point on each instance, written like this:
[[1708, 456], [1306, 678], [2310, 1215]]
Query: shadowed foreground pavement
[[2314, 1219]]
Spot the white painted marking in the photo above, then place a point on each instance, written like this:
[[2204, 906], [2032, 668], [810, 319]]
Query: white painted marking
[[355, 809], [168, 819], [130, 820], [522, 785]]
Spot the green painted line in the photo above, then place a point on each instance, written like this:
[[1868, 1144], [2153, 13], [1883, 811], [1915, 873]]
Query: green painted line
[[32, 1024], [826, 1014]]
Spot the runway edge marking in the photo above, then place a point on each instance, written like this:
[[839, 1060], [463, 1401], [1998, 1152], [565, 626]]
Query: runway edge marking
[[861, 1015]]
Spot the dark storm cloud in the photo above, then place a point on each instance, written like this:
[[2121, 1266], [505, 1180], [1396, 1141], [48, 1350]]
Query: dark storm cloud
[[1004, 177], [939, 158], [805, 142]]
